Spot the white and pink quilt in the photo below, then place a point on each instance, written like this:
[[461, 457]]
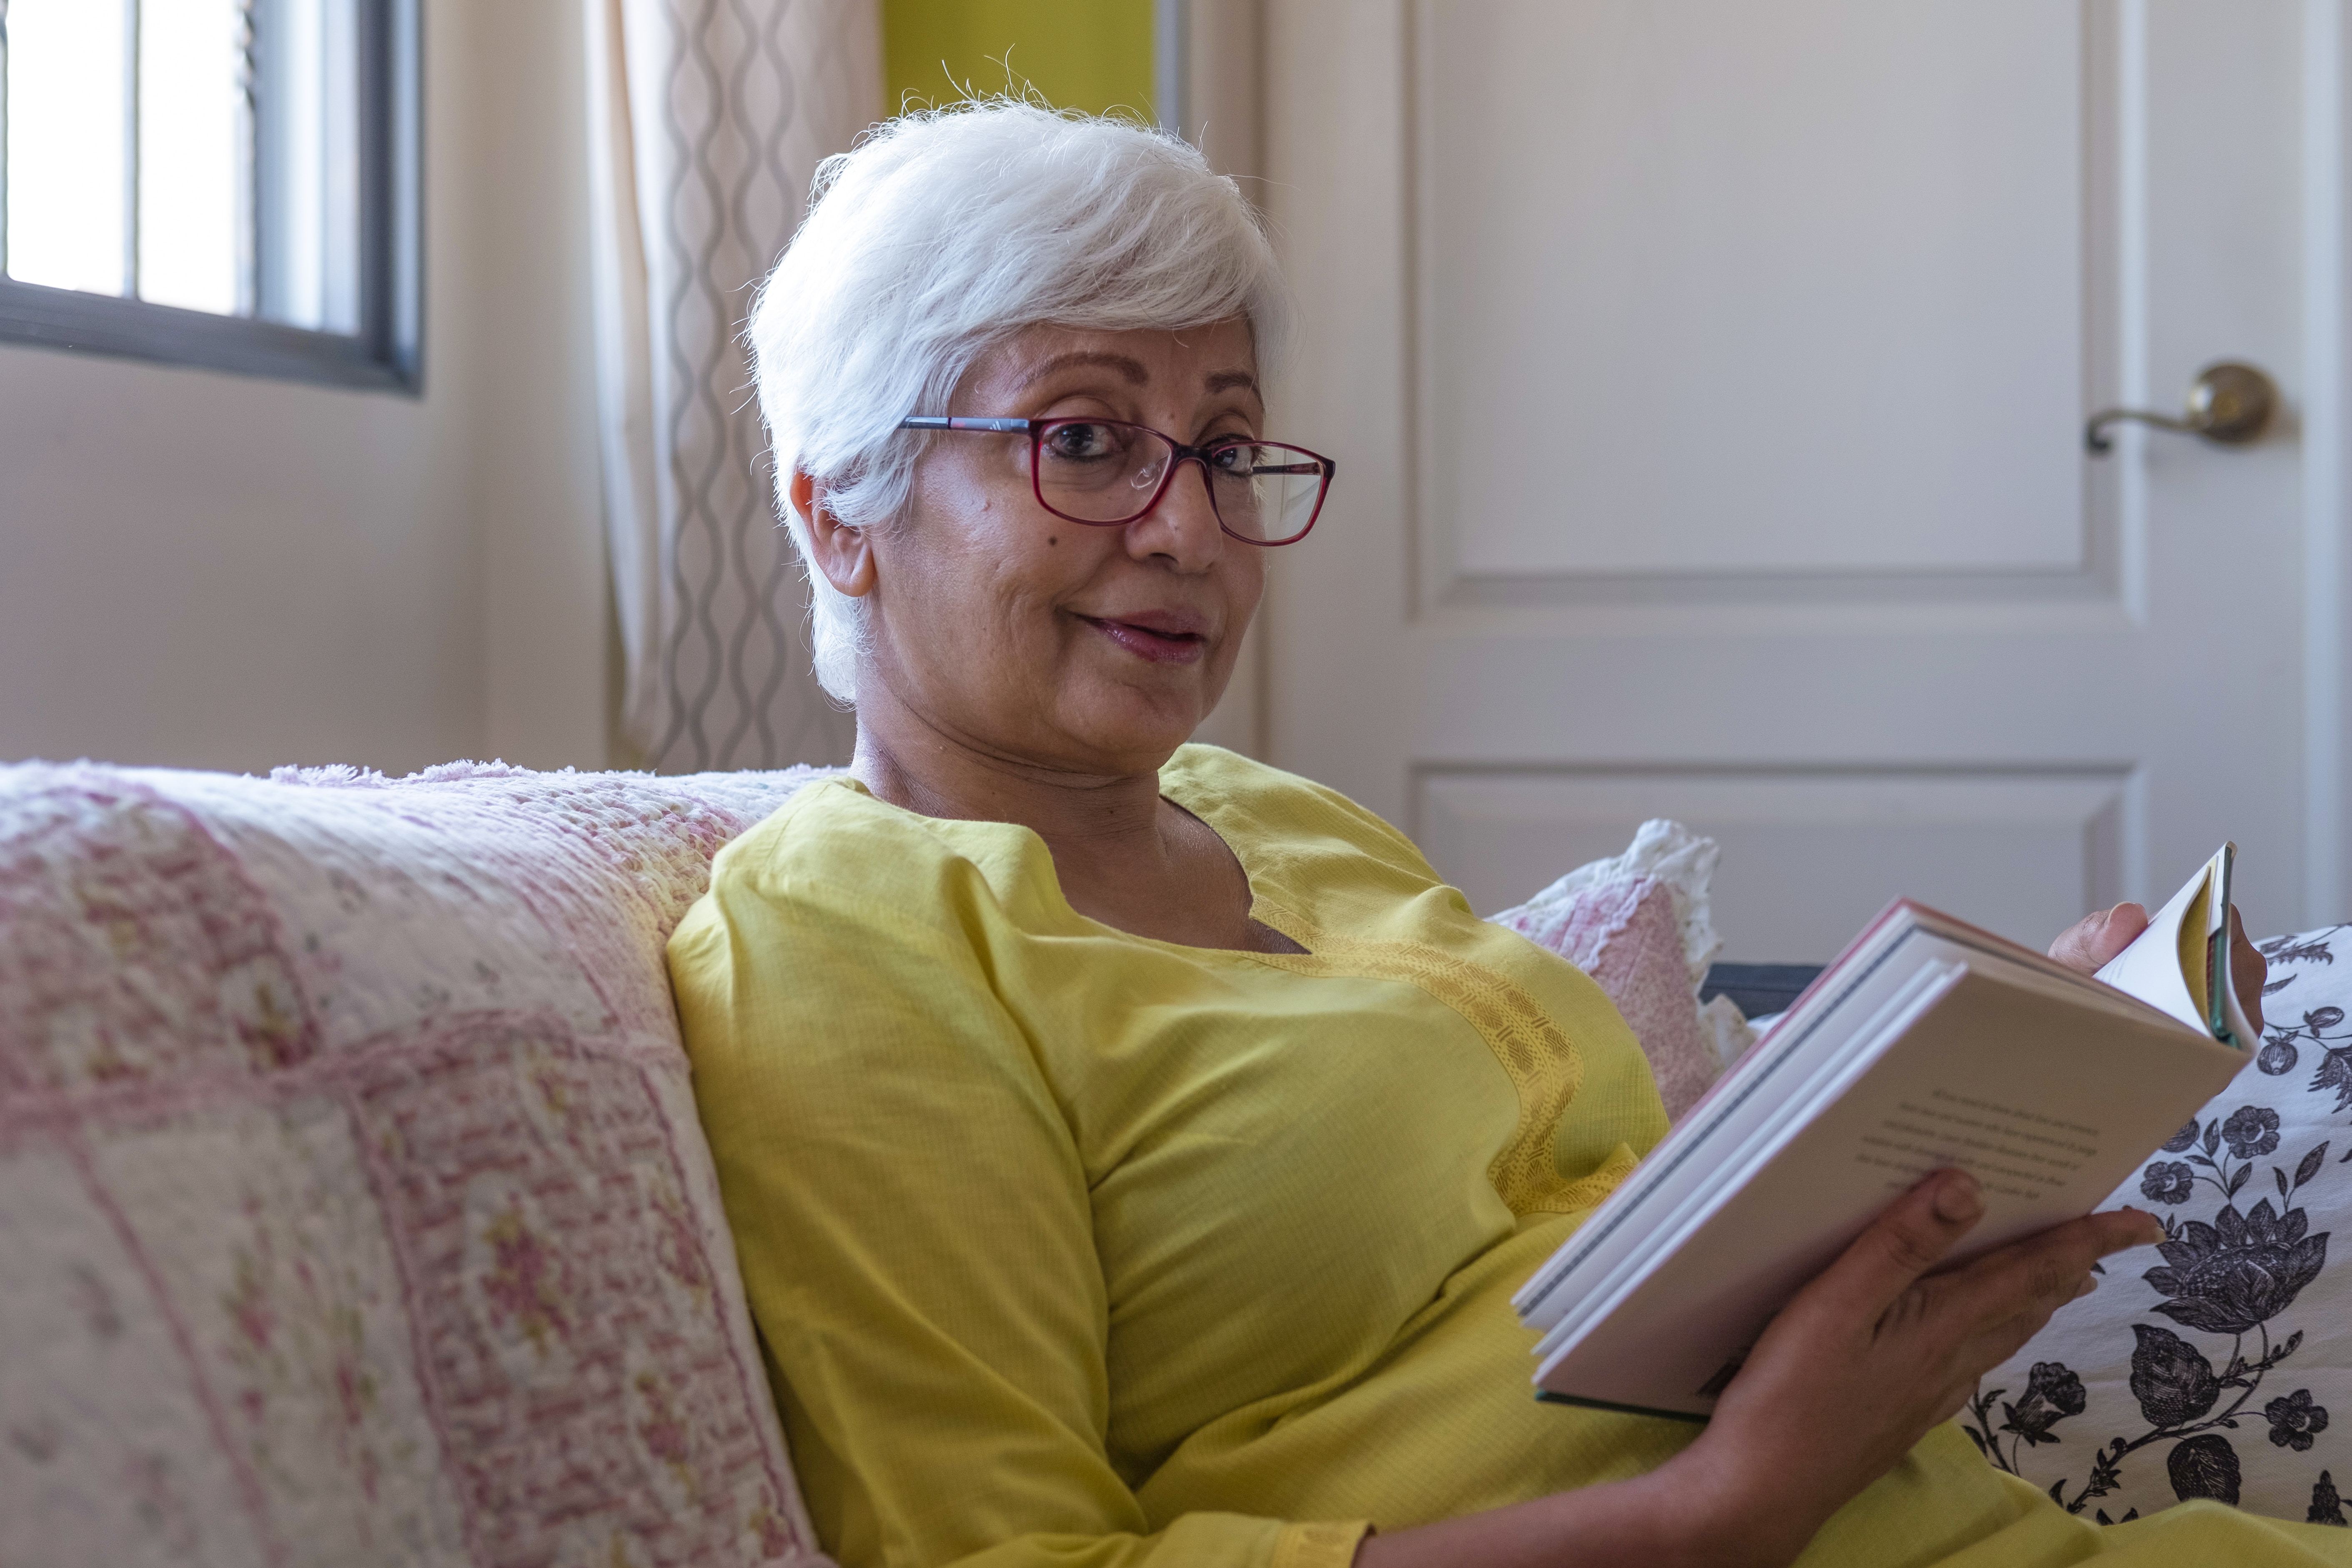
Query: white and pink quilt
[[353, 1207]]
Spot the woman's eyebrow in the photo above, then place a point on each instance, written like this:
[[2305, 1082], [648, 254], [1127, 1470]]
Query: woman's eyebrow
[[1220, 381], [1131, 369]]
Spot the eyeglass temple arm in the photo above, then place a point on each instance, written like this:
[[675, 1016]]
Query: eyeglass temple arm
[[952, 422]]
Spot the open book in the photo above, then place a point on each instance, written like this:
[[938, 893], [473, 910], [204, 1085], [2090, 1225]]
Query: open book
[[1929, 1043]]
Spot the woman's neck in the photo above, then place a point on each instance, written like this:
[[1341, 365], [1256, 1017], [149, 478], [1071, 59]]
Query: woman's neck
[[1122, 854], [1083, 817]]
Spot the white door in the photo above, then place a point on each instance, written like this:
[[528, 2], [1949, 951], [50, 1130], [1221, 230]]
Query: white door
[[1708, 380]]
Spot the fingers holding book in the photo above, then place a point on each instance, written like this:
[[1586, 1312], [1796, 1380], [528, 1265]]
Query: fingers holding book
[[1880, 1348], [1877, 1272], [2092, 941], [2010, 1293], [2249, 970]]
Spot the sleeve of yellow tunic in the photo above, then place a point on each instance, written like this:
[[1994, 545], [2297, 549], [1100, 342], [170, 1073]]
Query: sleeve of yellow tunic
[[914, 1223]]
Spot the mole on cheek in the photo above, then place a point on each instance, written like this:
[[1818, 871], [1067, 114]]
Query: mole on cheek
[[1052, 539]]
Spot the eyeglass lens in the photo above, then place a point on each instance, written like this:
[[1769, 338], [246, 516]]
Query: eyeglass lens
[[1103, 472]]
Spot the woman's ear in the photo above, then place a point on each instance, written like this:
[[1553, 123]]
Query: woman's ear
[[839, 551]]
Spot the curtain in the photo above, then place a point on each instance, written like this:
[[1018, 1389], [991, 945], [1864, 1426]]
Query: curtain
[[707, 120]]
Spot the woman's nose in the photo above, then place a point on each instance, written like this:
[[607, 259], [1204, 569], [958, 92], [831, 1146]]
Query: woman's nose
[[1183, 527]]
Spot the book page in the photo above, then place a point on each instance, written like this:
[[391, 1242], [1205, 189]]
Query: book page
[[2158, 967], [2196, 953]]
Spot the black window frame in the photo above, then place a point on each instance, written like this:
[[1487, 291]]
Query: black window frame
[[386, 353]]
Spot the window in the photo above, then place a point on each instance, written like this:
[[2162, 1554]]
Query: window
[[224, 183]]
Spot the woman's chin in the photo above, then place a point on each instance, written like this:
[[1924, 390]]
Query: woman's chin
[[1137, 734]]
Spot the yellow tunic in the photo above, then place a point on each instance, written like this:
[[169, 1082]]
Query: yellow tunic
[[1071, 1246]]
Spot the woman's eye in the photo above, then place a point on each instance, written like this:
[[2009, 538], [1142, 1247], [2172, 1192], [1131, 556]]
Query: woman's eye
[[1231, 460], [1079, 442]]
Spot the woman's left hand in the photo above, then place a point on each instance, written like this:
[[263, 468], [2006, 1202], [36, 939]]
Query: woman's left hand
[[2091, 941]]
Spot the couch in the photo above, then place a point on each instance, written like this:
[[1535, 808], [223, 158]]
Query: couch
[[354, 1209]]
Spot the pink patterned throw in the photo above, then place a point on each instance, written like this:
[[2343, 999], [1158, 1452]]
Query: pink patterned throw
[[1639, 924], [352, 1208]]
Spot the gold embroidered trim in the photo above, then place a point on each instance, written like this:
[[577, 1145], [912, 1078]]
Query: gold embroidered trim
[[1586, 1192], [1543, 1064], [1319, 1543]]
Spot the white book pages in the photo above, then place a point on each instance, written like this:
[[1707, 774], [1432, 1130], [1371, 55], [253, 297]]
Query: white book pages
[[1871, 1041], [2150, 968], [1745, 1101], [2165, 965]]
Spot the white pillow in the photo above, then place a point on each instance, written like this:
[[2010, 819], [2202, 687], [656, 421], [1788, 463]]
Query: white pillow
[[2219, 1366]]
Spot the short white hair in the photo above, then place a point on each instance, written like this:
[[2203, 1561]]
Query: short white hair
[[939, 235]]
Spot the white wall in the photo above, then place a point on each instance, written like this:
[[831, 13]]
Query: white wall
[[212, 570], [536, 497]]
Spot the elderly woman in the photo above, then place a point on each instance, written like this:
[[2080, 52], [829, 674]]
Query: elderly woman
[[1132, 1149]]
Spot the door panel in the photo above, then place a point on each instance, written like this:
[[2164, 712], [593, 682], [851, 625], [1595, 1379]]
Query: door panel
[[1844, 339]]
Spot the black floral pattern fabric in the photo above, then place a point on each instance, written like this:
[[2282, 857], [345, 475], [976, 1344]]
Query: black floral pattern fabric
[[2162, 1385]]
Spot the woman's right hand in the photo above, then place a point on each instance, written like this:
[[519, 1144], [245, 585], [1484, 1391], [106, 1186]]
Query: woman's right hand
[[1870, 1356], [1844, 1383]]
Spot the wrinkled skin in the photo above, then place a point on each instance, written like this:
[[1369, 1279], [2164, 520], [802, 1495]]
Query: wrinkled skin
[[1027, 669]]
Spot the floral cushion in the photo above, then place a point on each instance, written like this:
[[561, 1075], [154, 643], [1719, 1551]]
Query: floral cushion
[[2215, 1365], [1640, 924], [352, 1205]]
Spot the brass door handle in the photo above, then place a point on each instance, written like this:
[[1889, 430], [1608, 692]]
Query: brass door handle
[[2229, 403]]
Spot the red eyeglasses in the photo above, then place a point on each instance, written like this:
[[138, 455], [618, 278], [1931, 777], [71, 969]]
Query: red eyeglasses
[[1107, 473]]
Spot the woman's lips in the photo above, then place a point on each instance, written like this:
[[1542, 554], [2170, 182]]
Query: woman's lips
[[1159, 647]]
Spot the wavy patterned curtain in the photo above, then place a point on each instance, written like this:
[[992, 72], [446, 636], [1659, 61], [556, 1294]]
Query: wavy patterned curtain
[[707, 120]]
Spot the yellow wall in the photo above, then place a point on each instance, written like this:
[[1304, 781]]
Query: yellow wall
[[1092, 54]]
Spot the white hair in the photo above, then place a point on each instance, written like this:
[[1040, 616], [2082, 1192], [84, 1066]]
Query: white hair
[[939, 235]]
